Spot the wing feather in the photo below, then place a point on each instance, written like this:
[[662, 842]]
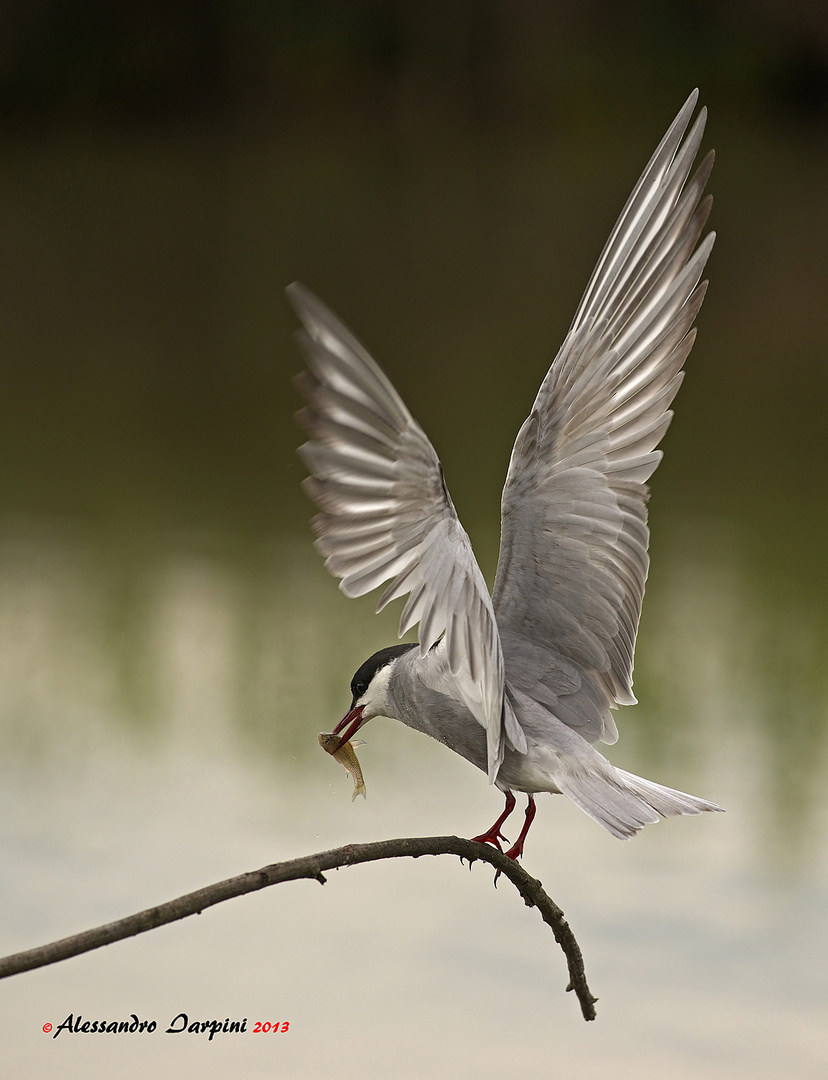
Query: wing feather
[[387, 517], [574, 536]]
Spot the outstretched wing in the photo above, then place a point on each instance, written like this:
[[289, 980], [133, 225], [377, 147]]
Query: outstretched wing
[[573, 558], [387, 515]]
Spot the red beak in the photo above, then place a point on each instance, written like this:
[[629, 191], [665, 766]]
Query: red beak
[[351, 723]]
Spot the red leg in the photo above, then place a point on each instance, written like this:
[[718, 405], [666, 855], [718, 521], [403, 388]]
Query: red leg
[[494, 835], [516, 850]]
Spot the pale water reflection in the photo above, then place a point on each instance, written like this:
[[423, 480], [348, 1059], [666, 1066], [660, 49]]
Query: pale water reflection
[[159, 699]]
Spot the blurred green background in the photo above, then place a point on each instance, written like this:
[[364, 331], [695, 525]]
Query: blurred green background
[[444, 176]]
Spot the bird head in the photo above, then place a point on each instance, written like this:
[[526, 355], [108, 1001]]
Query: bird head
[[369, 690]]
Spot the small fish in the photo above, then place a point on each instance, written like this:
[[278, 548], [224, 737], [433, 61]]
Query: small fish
[[346, 757]]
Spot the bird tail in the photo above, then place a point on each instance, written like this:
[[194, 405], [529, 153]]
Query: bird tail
[[624, 803]]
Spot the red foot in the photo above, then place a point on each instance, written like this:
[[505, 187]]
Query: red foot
[[494, 835], [516, 850]]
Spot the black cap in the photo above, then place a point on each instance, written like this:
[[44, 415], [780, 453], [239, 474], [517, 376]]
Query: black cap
[[366, 672]]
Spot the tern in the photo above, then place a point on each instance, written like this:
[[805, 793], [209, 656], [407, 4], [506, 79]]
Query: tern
[[522, 682]]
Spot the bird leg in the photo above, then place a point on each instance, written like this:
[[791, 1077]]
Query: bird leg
[[494, 835], [516, 850]]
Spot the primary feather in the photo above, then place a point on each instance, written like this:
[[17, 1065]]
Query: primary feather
[[387, 516], [574, 536]]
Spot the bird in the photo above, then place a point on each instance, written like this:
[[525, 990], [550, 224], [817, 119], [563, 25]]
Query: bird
[[522, 682]]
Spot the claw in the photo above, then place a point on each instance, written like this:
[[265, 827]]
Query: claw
[[493, 836]]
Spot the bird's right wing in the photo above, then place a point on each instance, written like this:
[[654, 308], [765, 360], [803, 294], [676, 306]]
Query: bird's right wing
[[387, 516], [573, 557]]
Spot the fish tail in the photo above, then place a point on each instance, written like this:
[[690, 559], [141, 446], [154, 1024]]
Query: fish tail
[[359, 789]]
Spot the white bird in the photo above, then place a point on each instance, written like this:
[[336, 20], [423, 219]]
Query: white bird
[[521, 683]]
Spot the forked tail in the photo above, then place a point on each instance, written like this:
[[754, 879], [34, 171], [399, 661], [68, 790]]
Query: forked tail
[[624, 803]]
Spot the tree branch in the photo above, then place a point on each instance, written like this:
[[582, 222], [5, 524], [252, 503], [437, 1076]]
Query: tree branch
[[313, 866]]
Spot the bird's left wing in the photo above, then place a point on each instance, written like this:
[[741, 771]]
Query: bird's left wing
[[573, 556], [387, 515]]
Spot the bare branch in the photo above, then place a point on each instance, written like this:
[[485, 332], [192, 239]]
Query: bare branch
[[313, 866]]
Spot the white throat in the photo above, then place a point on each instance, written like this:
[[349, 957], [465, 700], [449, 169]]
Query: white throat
[[377, 698]]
